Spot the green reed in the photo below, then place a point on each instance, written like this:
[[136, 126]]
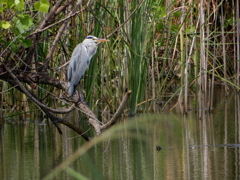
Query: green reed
[[165, 45]]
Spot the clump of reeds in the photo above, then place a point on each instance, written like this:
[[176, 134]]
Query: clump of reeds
[[165, 47]]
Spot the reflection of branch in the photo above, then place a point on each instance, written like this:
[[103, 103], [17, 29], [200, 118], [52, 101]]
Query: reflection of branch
[[68, 124], [56, 120]]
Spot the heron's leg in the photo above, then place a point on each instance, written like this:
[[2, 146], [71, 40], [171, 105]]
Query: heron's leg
[[81, 98]]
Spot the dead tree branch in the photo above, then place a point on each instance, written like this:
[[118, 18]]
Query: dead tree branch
[[58, 36], [34, 99], [19, 75], [118, 112]]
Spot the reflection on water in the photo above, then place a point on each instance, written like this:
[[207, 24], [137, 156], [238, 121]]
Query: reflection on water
[[159, 147]]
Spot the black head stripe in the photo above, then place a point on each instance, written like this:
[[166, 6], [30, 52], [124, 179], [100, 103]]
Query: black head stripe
[[89, 37]]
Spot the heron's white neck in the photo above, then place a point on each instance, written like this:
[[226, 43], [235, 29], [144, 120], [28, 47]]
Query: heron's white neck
[[89, 41]]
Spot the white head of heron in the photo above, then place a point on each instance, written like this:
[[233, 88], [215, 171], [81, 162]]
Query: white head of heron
[[94, 39]]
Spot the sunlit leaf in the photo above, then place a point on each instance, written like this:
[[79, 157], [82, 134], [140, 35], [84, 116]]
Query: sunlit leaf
[[42, 6], [16, 2], [20, 4], [5, 24], [37, 5]]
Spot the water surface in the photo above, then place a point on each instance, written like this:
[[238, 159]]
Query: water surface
[[162, 146]]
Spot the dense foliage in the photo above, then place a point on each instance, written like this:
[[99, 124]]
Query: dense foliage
[[156, 47]]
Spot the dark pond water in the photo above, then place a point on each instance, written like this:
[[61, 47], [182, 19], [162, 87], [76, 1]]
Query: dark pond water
[[163, 146]]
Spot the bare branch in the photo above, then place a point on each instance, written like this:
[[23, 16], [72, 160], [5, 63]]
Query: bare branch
[[34, 99], [118, 112], [36, 77], [58, 36], [73, 127], [92, 118], [54, 24], [50, 14], [56, 120], [34, 38]]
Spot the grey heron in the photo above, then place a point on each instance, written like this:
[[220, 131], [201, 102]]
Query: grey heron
[[80, 60]]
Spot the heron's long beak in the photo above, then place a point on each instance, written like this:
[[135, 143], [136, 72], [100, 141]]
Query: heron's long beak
[[102, 40]]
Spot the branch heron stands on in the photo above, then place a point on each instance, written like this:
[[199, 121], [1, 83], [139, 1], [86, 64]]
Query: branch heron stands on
[[80, 60]]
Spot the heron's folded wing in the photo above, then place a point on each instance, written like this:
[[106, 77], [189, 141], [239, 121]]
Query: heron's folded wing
[[79, 63]]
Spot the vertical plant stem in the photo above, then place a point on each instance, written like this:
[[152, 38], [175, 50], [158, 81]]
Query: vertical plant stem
[[153, 80], [202, 71], [224, 49], [184, 64], [208, 88], [238, 41], [2, 100], [213, 72]]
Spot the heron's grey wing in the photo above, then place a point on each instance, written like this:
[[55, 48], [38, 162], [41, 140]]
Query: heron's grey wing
[[73, 61], [78, 64]]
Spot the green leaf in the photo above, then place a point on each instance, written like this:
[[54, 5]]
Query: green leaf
[[19, 26], [160, 26], [19, 4], [10, 4], [37, 5], [177, 14], [190, 29], [16, 2], [5, 24], [26, 43], [42, 6], [25, 20]]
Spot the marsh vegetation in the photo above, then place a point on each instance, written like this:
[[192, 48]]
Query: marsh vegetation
[[160, 55]]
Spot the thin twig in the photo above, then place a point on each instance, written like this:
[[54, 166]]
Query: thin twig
[[20, 85], [54, 24], [58, 36], [118, 112], [139, 4]]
